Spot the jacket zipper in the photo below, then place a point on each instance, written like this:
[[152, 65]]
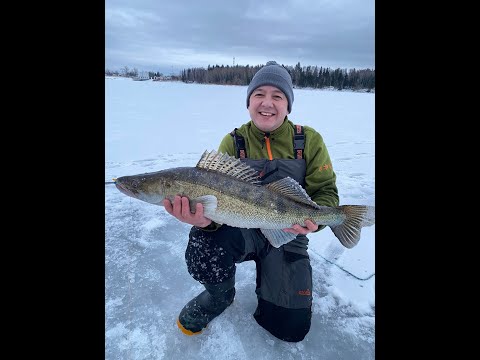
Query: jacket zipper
[[267, 142]]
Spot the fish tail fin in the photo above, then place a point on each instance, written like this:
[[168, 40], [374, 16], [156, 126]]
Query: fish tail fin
[[357, 216]]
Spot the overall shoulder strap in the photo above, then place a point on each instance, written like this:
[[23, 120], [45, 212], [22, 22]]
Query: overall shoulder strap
[[239, 144], [298, 141]]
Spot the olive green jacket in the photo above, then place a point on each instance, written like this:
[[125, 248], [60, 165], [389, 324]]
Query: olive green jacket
[[319, 178]]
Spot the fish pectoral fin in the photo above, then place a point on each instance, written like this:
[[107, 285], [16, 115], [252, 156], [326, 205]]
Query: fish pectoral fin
[[209, 203], [277, 237]]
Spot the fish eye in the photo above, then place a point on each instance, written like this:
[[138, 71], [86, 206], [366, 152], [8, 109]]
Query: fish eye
[[135, 183]]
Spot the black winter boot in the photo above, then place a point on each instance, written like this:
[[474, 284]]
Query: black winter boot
[[206, 306]]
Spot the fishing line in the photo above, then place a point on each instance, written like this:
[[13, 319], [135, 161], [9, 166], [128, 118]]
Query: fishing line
[[130, 262], [130, 267], [345, 270], [129, 235]]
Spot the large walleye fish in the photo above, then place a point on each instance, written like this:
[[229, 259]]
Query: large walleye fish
[[231, 194]]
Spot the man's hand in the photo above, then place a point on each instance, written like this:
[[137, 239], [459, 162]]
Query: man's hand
[[297, 229], [180, 208]]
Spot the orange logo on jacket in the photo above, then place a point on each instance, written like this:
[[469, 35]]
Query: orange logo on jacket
[[304, 292], [325, 167]]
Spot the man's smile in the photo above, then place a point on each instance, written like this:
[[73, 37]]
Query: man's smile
[[264, 113]]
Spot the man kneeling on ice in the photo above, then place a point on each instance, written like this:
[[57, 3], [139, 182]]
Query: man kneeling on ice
[[275, 147]]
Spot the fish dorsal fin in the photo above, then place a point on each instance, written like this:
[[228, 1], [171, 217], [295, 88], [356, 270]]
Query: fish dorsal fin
[[228, 165], [293, 190]]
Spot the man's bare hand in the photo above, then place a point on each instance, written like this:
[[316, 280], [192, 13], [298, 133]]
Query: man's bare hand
[[297, 229], [180, 208]]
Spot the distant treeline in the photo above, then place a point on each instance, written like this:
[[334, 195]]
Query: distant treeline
[[302, 76]]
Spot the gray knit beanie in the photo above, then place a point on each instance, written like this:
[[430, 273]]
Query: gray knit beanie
[[274, 75]]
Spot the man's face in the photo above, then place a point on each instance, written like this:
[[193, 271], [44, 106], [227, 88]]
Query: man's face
[[268, 107]]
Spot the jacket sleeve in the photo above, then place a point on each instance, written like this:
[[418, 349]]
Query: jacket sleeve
[[227, 145], [320, 179]]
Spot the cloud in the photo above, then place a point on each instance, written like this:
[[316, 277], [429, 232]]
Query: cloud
[[338, 33], [128, 17]]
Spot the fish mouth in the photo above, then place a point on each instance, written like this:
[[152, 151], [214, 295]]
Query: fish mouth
[[125, 190]]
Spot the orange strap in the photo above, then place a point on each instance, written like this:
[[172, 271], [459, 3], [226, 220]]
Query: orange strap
[[269, 150], [298, 142]]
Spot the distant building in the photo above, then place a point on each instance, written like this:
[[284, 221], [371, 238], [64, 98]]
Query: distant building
[[141, 76], [162, 78]]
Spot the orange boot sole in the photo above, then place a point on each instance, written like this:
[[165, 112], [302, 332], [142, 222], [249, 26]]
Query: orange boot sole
[[185, 331]]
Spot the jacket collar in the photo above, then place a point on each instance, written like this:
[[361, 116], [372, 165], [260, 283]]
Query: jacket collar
[[277, 132]]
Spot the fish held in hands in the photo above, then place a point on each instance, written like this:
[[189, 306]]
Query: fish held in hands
[[231, 193]]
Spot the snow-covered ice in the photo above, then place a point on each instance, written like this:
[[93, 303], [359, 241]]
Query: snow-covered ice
[[151, 126]]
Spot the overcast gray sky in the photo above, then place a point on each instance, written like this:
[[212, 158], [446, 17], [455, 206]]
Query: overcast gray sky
[[171, 35]]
